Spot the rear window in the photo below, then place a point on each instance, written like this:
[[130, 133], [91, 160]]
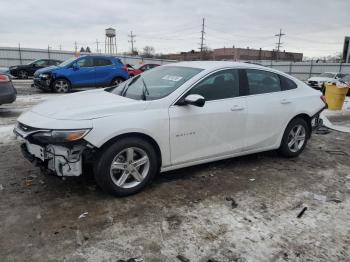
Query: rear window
[[261, 82], [287, 84], [102, 62]]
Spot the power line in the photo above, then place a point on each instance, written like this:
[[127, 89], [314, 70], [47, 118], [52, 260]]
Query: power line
[[132, 41]]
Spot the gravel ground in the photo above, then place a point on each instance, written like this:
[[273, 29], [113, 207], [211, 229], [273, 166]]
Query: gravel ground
[[242, 209]]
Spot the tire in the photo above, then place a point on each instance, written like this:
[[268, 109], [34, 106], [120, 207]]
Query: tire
[[61, 85], [22, 74], [122, 180], [297, 131], [117, 81]]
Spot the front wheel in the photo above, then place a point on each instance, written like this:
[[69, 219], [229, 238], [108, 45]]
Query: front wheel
[[126, 166], [294, 138], [61, 86], [22, 74]]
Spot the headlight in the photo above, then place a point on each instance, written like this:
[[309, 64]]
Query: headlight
[[13, 67], [44, 76], [60, 136]]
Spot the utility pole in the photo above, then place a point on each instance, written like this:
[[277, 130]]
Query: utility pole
[[97, 50], [132, 41], [48, 51], [76, 46], [279, 44], [202, 36]]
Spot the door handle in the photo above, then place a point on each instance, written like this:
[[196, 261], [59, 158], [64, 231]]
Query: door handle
[[237, 108], [285, 101]]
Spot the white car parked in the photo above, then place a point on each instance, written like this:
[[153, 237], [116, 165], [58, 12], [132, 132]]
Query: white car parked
[[319, 81], [173, 116]]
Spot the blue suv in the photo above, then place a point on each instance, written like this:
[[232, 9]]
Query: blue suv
[[84, 71]]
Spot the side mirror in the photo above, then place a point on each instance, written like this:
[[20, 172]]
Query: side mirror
[[195, 100], [75, 66]]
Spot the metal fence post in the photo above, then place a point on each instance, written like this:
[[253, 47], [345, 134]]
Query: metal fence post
[[290, 68], [340, 66], [20, 54], [310, 69]]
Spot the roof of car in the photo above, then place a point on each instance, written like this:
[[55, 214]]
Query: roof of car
[[215, 64]]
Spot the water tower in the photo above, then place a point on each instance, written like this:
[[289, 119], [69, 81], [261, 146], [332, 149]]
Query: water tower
[[111, 42]]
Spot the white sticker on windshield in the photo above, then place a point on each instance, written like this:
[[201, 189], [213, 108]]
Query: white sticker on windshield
[[172, 78]]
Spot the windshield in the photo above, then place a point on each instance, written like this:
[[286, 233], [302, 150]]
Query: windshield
[[156, 83], [67, 62], [329, 75]]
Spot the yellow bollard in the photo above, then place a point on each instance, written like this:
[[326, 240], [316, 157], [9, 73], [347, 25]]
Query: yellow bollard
[[335, 96]]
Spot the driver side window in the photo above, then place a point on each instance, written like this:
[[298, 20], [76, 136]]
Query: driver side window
[[85, 62], [220, 85]]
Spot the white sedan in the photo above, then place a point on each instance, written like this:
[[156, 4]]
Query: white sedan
[[173, 116]]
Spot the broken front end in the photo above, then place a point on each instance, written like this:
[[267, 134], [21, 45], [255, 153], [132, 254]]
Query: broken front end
[[60, 151]]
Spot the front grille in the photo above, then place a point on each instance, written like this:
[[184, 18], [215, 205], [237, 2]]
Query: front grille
[[313, 83]]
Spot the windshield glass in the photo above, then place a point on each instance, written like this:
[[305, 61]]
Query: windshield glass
[[67, 62], [329, 75], [156, 83]]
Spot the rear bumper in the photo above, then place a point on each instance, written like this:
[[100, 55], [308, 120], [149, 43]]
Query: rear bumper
[[316, 121], [7, 93]]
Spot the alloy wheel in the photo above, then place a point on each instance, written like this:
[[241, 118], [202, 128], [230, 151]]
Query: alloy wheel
[[130, 167], [118, 81], [61, 86], [23, 74], [296, 138]]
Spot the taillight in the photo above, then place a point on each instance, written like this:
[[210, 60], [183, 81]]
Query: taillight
[[125, 68], [4, 78], [323, 98]]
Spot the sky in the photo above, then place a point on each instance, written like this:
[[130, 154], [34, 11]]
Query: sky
[[313, 27]]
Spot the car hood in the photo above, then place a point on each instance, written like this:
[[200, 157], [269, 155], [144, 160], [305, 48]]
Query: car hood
[[46, 70], [18, 67], [87, 105], [320, 79]]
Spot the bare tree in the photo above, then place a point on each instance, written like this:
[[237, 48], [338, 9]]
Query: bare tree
[[148, 51]]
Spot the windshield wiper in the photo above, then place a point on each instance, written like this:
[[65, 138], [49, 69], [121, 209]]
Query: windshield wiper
[[123, 93], [145, 89]]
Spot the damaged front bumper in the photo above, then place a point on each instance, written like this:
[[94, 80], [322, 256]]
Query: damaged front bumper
[[62, 160]]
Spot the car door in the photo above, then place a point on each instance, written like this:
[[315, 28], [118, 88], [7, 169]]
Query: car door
[[214, 130], [269, 108], [82, 73], [104, 71]]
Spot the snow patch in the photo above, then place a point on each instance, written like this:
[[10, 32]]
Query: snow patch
[[6, 134]]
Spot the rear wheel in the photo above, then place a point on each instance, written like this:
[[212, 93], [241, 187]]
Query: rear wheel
[[61, 86], [126, 166], [295, 138], [117, 81]]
